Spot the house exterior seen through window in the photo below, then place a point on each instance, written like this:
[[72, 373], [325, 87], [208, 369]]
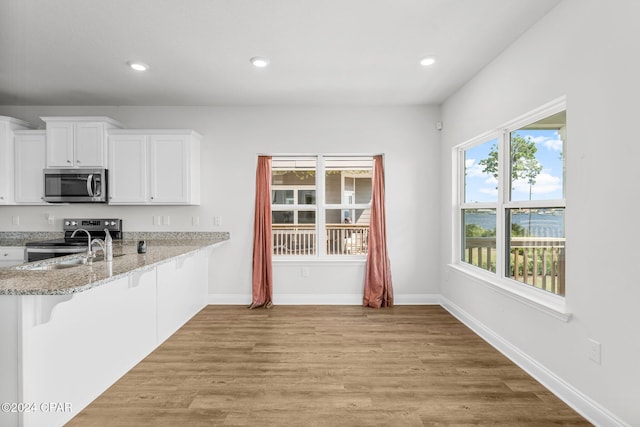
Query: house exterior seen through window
[[512, 201], [320, 205]]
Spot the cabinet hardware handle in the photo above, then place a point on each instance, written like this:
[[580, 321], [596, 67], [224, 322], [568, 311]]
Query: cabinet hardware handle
[[68, 161]]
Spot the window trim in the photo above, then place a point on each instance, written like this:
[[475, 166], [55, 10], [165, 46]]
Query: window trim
[[542, 300]]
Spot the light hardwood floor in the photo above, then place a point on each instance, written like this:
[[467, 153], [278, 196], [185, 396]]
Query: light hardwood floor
[[326, 366]]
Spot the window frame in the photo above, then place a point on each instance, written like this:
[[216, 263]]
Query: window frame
[[320, 207], [546, 301]]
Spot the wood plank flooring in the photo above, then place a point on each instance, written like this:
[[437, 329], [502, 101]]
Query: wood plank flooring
[[326, 366]]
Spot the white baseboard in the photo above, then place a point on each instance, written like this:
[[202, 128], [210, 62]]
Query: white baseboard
[[229, 299], [581, 403], [417, 299], [320, 299]]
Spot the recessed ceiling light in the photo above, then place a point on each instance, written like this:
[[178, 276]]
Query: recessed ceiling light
[[429, 60], [138, 66], [259, 61]]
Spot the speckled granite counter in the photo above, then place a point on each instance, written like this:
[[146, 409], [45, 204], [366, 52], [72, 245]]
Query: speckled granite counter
[[20, 238], [160, 248]]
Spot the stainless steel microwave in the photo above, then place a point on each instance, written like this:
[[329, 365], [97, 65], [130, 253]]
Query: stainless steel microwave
[[75, 185]]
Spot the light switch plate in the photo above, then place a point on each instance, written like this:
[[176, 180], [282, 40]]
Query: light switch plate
[[595, 351]]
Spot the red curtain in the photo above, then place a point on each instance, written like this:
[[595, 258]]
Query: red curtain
[[262, 288], [378, 290]]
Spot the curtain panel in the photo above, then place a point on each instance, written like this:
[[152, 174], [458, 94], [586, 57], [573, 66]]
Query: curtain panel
[[262, 286], [378, 289]]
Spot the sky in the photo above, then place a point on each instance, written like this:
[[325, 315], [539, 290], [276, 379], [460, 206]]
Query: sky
[[482, 187]]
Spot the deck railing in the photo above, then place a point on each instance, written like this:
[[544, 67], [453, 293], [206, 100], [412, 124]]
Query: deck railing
[[300, 239], [536, 261]]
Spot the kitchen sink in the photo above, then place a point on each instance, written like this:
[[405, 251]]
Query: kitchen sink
[[101, 257], [54, 265]]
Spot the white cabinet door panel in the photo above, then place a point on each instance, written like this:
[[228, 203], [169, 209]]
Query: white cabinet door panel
[[89, 146], [168, 168], [60, 137], [30, 148], [128, 169]]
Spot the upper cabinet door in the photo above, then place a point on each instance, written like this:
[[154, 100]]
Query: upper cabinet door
[[127, 169], [60, 143], [169, 169], [89, 145], [29, 162]]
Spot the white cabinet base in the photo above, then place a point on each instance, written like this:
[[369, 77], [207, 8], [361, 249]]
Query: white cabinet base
[[68, 349]]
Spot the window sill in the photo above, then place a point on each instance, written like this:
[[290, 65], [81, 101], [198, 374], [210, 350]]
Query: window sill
[[540, 300]]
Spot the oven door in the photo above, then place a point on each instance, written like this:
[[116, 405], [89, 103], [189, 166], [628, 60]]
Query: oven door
[[40, 253], [75, 185]]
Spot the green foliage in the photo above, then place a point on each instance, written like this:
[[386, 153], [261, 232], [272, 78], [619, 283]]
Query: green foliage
[[517, 230], [524, 164], [474, 230]]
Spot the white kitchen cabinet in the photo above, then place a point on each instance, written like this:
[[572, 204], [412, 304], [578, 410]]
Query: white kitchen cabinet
[[8, 125], [29, 150], [68, 349], [76, 346], [11, 255], [182, 289], [77, 142], [154, 167]]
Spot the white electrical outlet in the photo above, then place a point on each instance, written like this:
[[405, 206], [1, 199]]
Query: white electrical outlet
[[304, 272], [195, 221], [15, 219], [50, 219], [595, 351], [157, 220], [217, 221], [166, 220]]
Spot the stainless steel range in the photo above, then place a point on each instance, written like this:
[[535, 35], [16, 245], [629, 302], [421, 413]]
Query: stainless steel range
[[79, 243]]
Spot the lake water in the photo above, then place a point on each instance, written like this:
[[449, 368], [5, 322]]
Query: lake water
[[543, 223]]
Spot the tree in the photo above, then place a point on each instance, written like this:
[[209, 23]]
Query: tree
[[524, 164]]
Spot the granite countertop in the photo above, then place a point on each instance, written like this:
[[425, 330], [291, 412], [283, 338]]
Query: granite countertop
[[21, 238], [17, 281]]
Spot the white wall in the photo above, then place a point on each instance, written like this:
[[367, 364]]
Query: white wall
[[233, 136], [586, 50]]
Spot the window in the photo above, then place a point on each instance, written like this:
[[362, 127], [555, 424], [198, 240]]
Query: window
[[321, 205], [512, 201]]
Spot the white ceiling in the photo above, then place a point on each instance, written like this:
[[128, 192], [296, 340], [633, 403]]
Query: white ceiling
[[355, 52]]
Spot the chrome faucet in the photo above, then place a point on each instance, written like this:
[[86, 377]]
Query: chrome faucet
[[89, 251], [100, 243]]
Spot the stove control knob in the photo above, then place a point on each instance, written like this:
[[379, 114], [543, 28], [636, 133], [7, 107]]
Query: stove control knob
[[67, 223], [113, 223], [74, 223]]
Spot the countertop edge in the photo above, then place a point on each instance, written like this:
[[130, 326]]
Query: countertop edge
[[74, 289]]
